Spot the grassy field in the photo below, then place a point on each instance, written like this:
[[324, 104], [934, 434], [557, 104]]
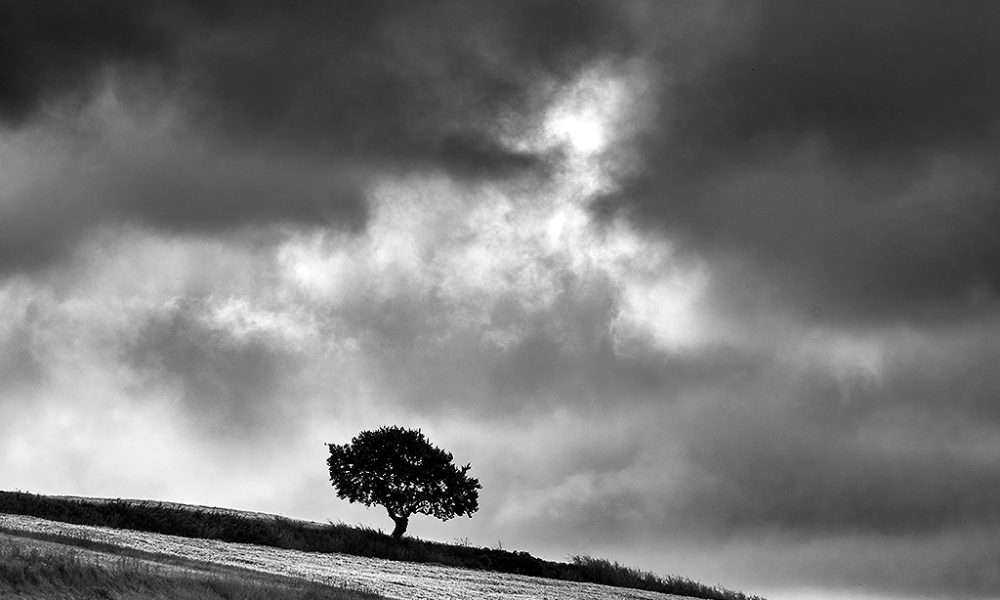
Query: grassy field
[[278, 532], [395, 580], [57, 569]]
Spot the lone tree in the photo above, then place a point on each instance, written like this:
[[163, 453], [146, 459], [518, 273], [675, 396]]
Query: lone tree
[[399, 469]]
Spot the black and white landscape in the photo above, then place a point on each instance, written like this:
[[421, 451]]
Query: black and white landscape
[[709, 288]]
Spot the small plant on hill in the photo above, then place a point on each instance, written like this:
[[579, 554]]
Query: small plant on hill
[[400, 470]]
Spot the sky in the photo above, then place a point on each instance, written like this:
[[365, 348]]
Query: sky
[[708, 288]]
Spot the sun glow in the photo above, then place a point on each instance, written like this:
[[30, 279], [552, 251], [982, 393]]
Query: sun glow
[[583, 131], [473, 249], [586, 115]]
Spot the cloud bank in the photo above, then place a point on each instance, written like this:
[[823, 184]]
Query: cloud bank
[[707, 287]]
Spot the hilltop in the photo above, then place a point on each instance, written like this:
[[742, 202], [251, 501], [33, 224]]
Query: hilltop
[[274, 531]]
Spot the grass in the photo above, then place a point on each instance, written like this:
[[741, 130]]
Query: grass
[[39, 571], [266, 530], [599, 570]]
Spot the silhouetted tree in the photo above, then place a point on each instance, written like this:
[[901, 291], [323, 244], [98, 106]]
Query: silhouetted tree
[[399, 469]]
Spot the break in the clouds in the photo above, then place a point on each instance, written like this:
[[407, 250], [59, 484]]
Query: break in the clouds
[[707, 287]]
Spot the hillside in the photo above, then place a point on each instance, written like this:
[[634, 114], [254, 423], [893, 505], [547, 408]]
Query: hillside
[[188, 530], [37, 565]]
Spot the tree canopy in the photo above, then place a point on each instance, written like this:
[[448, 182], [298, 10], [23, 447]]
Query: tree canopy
[[401, 470]]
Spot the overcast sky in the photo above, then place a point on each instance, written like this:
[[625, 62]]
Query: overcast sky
[[706, 288]]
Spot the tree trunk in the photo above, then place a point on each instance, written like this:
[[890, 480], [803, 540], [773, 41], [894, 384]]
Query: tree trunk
[[401, 523]]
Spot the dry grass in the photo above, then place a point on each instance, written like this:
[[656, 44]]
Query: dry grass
[[270, 530], [31, 568]]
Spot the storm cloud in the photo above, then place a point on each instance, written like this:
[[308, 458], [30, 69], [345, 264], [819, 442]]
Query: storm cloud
[[706, 287], [846, 151], [265, 115]]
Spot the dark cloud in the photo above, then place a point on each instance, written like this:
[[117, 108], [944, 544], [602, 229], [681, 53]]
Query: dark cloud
[[818, 453], [51, 48], [958, 564], [423, 83], [845, 153], [826, 464], [359, 88], [230, 385], [437, 358], [215, 192], [20, 366], [872, 80], [813, 481], [950, 378], [419, 83], [815, 456], [213, 189], [33, 243]]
